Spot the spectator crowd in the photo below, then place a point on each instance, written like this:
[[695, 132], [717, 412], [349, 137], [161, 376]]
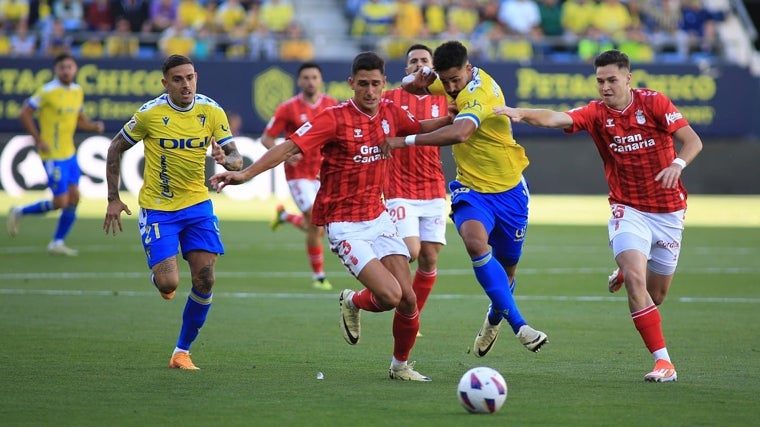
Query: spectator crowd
[[521, 30], [511, 30], [201, 29]]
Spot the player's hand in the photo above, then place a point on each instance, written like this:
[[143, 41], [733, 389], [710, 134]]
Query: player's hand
[[294, 159], [452, 109], [419, 80], [42, 147], [669, 176], [222, 179], [390, 143], [510, 112], [113, 216], [217, 152], [99, 126]]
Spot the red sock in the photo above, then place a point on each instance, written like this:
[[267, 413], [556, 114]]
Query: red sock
[[405, 327], [649, 325], [366, 300], [295, 219], [422, 285], [316, 259]]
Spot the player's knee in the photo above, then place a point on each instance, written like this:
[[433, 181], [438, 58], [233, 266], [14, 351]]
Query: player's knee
[[390, 297], [166, 283]]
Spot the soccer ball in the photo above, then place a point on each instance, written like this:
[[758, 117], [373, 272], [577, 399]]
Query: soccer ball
[[482, 390]]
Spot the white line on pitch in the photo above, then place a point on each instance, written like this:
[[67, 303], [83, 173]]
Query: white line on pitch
[[285, 295]]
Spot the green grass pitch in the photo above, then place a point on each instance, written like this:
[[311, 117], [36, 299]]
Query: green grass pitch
[[86, 341]]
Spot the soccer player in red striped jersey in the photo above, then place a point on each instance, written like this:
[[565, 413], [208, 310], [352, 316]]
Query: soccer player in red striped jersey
[[302, 170], [415, 193], [349, 202], [634, 129]]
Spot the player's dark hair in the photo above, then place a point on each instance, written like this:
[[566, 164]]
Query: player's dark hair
[[62, 57], [612, 57], [307, 65], [451, 54], [368, 61], [418, 46], [175, 61]]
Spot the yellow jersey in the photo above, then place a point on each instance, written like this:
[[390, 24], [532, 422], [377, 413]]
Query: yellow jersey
[[176, 142], [490, 161], [58, 107]]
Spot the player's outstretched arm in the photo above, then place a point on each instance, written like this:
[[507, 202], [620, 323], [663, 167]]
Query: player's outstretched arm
[[270, 159], [536, 117], [226, 155], [692, 145], [118, 146]]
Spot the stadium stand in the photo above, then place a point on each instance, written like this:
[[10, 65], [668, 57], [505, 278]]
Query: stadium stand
[[665, 31]]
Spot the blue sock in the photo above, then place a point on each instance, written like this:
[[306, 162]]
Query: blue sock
[[493, 279], [38, 208], [193, 318], [65, 222]]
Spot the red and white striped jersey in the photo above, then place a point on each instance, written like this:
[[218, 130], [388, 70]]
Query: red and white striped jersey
[[635, 144], [353, 168], [415, 172], [288, 117]]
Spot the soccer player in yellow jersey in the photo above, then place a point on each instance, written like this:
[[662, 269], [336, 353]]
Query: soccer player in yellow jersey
[[177, 129], [58, 105], [489, 198]]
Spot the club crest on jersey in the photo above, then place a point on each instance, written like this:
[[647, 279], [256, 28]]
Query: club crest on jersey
[[610, 123], [640, 119], [202, 119], [435, 111], [166, 120], [386, 127], [358, 133]]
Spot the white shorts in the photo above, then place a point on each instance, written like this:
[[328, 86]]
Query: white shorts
[[425, 219], [656, 235], [304, 191], [358, 243]]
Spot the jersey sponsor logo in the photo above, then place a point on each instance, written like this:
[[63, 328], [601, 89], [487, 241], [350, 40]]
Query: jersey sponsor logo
[[673, 117], [473, 105], [668, 245], [166, 189], [303, 129], [182, 143], [628, 143], [224, 128], [368, 154]]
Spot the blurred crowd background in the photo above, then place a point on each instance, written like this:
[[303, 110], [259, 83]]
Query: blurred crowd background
[[300, 30]]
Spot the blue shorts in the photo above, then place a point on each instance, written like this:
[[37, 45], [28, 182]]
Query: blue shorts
[[61, 174], [504, 215], [194, 228]]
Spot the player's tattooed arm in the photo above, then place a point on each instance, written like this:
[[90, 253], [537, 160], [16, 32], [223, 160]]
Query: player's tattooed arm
[[234, 161], [119, 144]]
